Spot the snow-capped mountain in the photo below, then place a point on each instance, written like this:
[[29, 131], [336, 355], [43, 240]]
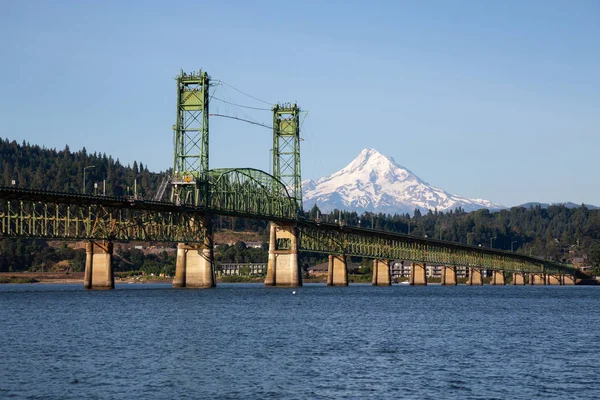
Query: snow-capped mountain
[[374, 182]]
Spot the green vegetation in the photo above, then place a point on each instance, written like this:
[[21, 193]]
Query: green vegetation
[[37, 255], [16, 279], [36, 167], [241, 253], [360, 278], [135, 260], [240, 278]]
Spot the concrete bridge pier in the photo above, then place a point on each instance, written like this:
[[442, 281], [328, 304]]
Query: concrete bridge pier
[[449, 276], [498, 278], [518, 278], [194, 267], [381, 273], [568, 280], [282, 266], [195, 264], [99, 272], [537, 279], [418, 274], [337, 273], [475, 278]]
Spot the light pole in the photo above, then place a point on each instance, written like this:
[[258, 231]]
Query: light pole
[[492, 242], [470, 233], [89, 166], [511, 245]]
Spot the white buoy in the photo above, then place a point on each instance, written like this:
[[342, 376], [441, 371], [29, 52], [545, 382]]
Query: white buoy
[[294, 292]]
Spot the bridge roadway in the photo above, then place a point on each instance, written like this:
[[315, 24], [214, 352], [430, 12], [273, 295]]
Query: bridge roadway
[[100, 220]]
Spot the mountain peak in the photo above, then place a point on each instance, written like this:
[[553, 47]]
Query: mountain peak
[[375, 182], [371, 165], [370, 156]]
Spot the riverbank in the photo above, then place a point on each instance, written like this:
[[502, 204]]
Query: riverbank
[[41, 277]]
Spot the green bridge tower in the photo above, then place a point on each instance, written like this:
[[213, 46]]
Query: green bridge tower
[[190, 164], [286, 150], [190, 182], [282, 266]]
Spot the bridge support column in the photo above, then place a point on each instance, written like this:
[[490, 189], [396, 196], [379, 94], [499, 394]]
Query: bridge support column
[[475, 278], [537, 279], [381, 273], [553, 279], [99, 272], [418, 274], [337, 273], [194, 267], [518, 278], [497, 278], [449, 276], [568, 280], [282, 267]]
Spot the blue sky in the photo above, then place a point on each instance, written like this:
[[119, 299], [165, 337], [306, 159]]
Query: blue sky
[[497, 100]]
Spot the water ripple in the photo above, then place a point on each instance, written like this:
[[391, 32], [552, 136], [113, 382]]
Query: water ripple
[[247, 341]]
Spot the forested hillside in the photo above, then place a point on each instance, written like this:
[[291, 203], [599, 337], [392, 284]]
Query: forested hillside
[[556, 232], [32, 166]]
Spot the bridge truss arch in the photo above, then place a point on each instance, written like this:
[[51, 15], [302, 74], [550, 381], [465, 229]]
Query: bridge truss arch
[[250, 193]]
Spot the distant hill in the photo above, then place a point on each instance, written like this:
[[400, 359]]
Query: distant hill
[[35, 167], [568, 204]]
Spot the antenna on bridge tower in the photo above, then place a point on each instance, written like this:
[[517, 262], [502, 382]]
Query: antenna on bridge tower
[[286, 149], [190, 164]]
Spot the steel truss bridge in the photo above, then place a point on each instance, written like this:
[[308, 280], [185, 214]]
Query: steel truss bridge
[[198, 192], [38, 214]]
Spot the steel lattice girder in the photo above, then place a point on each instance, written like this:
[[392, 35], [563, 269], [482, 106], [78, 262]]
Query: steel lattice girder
[[51, 215], [333, 239]]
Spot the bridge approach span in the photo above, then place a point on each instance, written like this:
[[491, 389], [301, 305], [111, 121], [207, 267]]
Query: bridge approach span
[[333, 239]]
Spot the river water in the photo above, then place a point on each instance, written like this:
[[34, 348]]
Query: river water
[[245, 341]]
